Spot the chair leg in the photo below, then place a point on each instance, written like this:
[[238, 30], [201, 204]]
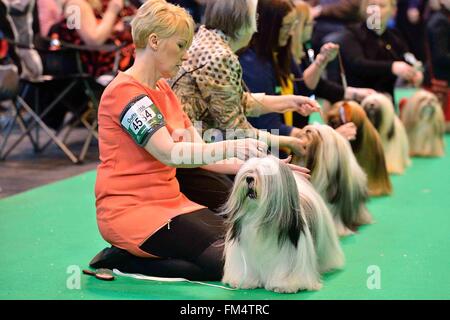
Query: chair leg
[[47, 130], [36, 120], [87, 142], [17, 117], [7, 132], [23, 127], [57, 133]]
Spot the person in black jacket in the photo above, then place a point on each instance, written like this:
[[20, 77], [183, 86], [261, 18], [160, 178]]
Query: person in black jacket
[[310, 67], [268, 64], [373, 55], [438, 32]]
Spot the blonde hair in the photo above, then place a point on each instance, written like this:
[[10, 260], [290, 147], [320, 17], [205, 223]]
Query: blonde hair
[[303, 14], [163, 19]]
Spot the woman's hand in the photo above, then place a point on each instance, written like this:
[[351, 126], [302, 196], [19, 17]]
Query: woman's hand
[[403, 70], [281, 104], [348, 131], [296, 145], [300, 104], [245, 149], [301, 170], [328, 52], [316, 11]]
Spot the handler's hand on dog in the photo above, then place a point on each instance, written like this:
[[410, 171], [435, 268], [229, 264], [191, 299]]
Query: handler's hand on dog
[[297, 146], [301, 170], [348, 131], [245, 149], [358, 94]]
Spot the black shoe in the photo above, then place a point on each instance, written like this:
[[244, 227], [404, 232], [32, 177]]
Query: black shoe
[[109, 258]]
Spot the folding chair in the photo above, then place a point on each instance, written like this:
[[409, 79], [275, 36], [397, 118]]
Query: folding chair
[[36, 113], [30, 118]]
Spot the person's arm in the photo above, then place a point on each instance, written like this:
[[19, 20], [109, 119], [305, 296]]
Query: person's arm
[[313, 72], [260, 77], [228, 166], [197, 153], [91, 32], [232, 165], [291, 142], [355, 61], [280, 104]]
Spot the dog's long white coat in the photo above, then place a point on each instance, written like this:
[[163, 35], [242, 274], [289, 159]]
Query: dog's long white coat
[[255, 258], [328, 248]]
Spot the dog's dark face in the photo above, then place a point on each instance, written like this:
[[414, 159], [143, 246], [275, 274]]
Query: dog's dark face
[[265, 193], [427, 107], [373, 110], [334, 121], [338, 115], [251, 182]]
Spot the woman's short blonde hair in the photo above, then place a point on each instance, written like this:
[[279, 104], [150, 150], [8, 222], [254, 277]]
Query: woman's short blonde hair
[[163, 19]]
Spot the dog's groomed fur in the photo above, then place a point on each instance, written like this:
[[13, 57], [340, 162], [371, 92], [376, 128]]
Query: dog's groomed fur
[[367, 146], [280, 233], [425, 124], [336, 175], [380, 110]]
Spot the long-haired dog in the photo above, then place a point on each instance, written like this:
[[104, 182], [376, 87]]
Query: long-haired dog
[[425, 125], [280, 234], [381, 113], [367, 146], [336, 175]]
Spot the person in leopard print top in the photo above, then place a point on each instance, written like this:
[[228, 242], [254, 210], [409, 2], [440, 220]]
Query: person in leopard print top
[[211, 89]]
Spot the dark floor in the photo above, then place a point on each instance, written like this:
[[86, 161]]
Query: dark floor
[[23, 169]]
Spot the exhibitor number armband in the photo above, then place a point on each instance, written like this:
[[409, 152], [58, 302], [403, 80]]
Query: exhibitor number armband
[[141, 119]]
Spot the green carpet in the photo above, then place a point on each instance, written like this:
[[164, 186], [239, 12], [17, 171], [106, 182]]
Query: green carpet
[[49, 233], [45, 231]]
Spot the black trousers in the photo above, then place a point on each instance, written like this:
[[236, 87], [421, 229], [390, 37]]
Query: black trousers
[[196, 239], [204, 187], [192, 249]]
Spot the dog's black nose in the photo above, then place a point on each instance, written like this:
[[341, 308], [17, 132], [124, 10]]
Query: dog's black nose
[[249, 179]]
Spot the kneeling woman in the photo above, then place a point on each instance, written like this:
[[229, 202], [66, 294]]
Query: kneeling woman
[[142, 138]]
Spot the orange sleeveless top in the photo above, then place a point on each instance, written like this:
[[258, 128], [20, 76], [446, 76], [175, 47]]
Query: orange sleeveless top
[[136, 194]]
